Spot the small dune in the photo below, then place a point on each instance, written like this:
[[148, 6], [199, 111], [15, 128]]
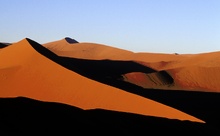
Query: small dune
[[155, 80]]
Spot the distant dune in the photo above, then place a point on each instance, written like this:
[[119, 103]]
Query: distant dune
[[171, 88], [92, 51], [191, 65]]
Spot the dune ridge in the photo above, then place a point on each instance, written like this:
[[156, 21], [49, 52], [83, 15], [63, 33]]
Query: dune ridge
[[85, 50]]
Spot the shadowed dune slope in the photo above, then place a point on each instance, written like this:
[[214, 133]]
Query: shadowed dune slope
[[25, 72], [2, 45], [70, 40], [23, 116], [157, 80]]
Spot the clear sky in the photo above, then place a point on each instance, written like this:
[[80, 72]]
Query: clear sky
[[160, 26]]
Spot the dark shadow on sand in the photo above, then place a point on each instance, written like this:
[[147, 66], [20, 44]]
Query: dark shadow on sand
[[71, 41], [25, 116], [202, 105], [2, 45]]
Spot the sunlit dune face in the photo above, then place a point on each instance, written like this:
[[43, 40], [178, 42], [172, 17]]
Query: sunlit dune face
[[25, 72], [197, 78]]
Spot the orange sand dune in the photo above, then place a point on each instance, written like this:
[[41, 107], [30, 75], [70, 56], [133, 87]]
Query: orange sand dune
[[194, 78], [86, 50], [25, 72], [197, 78], [99, 51], [198, 72], [160, 61], [189, 71]]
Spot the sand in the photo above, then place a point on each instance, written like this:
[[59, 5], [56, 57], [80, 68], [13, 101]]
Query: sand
[[189, 71], [25, 72]]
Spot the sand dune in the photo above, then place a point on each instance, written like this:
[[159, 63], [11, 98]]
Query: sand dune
[[159, 61], [25, 72], [97, 51], [103, 86], [92, 51], [198, 72], [197, 78], [182, 67], [192, 78]]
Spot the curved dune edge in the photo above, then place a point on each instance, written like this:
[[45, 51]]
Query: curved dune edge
[[27, 73], [157, 80]]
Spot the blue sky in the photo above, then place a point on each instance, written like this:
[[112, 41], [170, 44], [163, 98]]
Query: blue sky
[[160, 26]]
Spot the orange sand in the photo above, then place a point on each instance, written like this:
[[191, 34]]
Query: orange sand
[[25, 72]]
